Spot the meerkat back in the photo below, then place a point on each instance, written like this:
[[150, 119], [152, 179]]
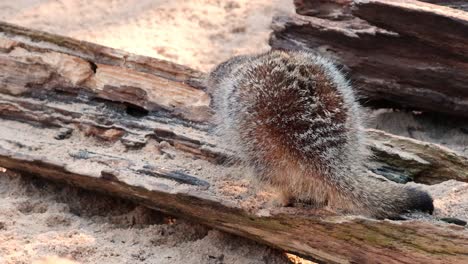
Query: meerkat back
[[294, 119]]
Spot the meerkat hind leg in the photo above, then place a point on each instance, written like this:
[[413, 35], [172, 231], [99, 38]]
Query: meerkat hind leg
[[281, 198], [285, 198]]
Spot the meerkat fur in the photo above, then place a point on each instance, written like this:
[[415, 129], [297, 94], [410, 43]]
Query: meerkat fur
[[293, 118]]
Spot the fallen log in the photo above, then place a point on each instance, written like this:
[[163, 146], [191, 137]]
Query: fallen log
[[139, 128], [405, 54], [458, 4]]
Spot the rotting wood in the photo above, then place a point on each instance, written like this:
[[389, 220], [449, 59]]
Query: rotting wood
[[67, 114], [398, 53]]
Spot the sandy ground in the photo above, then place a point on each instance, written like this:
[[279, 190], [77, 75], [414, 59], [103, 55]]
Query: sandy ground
[[39, 219], [195, 33]]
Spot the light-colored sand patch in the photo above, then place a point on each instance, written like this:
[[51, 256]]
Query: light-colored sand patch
[[199, 33], [40, 219]]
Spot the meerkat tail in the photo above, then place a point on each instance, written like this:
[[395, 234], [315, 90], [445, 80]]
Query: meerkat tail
[[388, 200], [294, 119]]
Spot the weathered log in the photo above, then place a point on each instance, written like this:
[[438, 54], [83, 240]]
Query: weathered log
[[403, 159], [103, 120], [458, 4], [398, 53], [338, 8]]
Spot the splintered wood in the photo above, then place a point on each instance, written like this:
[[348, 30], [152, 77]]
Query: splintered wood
[[139, 128]]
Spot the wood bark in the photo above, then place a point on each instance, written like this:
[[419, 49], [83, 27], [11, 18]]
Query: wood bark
[[139, 128], [398, 53]]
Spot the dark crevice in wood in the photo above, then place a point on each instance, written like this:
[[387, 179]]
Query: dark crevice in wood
[[135, 110], [93, 66]]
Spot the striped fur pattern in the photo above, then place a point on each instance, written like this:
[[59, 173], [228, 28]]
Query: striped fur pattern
[[294, 119]]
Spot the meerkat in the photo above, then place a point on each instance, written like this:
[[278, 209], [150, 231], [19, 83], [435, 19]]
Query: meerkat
[[293, 118]]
